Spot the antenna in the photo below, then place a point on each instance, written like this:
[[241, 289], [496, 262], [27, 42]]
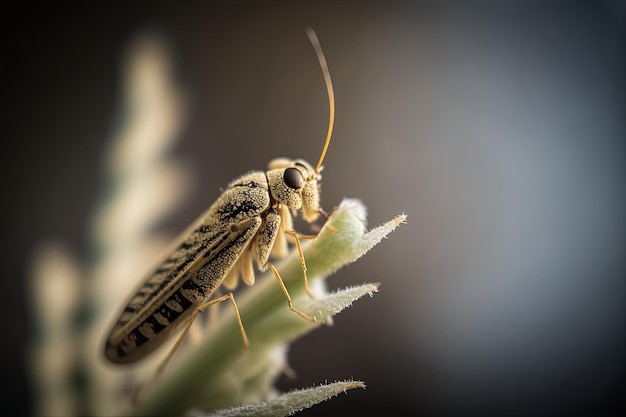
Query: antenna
[[329, 86]]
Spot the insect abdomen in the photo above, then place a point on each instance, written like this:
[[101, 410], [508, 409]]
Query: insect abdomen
[[190, 275], [193, 288], [157, 325]]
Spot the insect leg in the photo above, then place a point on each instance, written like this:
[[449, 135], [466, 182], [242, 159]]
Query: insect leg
[[192, 318], [296, 238], [183, 335], [282, 287]]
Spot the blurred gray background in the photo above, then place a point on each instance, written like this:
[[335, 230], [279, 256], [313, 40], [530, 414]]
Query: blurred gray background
[[497, 127]]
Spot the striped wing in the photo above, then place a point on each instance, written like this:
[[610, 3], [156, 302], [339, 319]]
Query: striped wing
[[182, 282]]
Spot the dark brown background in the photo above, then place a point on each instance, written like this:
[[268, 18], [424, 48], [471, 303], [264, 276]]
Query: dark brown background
[[498, 129]]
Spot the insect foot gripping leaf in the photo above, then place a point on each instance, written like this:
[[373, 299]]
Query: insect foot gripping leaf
[[220, 372]]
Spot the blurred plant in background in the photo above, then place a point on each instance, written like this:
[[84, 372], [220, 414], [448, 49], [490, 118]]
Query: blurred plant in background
[[144, 184], [75, 303]]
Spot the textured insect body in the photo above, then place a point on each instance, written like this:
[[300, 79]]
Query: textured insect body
[[248, 223]]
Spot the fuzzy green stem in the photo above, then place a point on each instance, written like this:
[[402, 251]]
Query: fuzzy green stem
[[268, 321]]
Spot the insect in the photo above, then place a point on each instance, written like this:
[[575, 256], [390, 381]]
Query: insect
[[249, 222]]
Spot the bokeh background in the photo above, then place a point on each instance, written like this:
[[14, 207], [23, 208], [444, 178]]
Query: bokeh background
[[498, 127]]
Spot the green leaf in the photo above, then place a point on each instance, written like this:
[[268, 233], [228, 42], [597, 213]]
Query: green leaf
[[290, 403]]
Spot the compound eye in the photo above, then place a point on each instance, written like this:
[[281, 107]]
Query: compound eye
[[293, 178]]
